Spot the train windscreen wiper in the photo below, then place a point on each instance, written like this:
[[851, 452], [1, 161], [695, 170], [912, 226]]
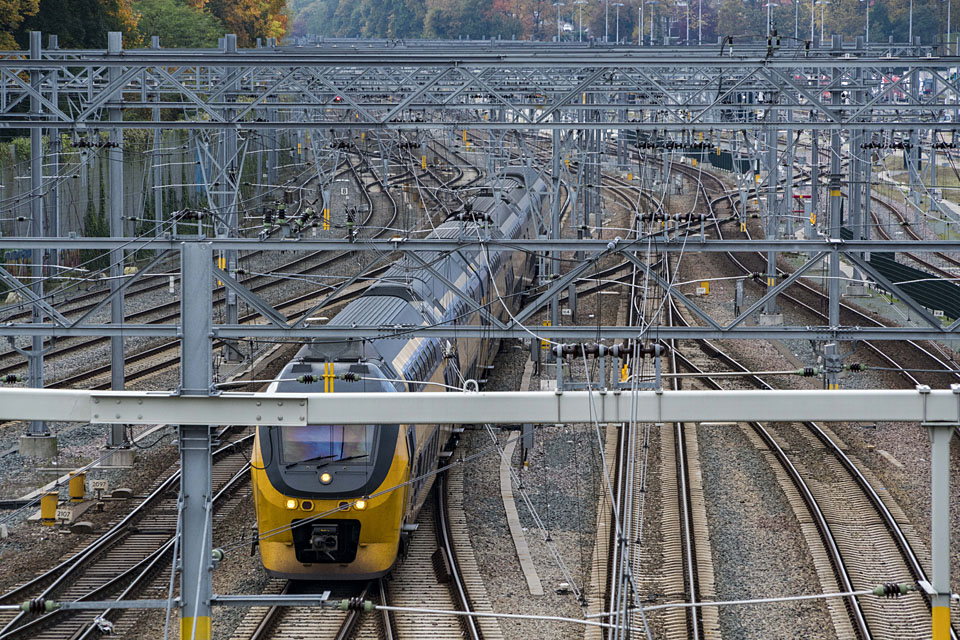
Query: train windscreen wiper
[[313, 459], [362, 455]]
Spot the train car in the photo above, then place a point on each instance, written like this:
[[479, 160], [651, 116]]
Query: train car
[[337, 502]]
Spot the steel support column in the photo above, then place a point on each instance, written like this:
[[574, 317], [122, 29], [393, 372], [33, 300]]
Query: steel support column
[[836, 197], [37, 229], [229, 199], [196, 522], [157, 160], [940, 435], [555, 213], [773, 206], [117, 437]]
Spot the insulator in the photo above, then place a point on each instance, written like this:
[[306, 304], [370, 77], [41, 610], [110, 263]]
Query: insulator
[[891, 590], [307, 378], [12, 377], [808, 372], [856, 366], [351, 377], [37, 605]]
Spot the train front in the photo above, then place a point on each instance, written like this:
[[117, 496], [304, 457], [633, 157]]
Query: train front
[[315, 486]]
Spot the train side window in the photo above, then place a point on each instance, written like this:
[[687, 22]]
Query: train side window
[[411, 445]]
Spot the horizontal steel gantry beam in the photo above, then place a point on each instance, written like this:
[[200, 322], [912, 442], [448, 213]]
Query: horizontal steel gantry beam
[[922, 405], [655, 243], [586, 333]]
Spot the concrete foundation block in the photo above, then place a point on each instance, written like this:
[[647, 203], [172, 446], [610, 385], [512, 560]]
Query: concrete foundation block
[[856, 291], [771, 319], [44, 447], [115, 458]]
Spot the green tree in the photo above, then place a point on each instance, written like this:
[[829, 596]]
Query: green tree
[[177, 23], [81, 24], [94, 226]]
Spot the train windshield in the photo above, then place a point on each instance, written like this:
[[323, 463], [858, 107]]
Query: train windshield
[[326, 443]]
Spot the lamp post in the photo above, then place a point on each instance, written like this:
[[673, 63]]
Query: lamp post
[[949, 2], [640, 31], [651, 20], [910, 36], [606, 21], [700, 22], [868, 20], [618, 5], [813, 17], [823, 8], [769, 7], [796, 20], [558, 5], [580, 3]]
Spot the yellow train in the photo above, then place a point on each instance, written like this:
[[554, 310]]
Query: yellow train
[[338, 502]]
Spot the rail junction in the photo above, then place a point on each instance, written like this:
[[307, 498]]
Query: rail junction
[[709, 211]]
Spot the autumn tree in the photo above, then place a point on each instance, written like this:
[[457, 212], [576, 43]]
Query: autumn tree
[[12, 14], [249, 19]]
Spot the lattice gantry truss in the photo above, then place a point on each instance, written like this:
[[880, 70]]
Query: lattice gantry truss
[[459, 85]]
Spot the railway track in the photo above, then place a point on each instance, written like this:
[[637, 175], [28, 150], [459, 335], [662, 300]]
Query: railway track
[[431, 576], [131, 557], [928, 352], [842, 505], [308, 264]]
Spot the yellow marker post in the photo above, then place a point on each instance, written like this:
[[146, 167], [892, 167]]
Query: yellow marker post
[[222, 263], [328, 377], [693, 162], [743, 226], [624, 373], [813, 218], [48, 508], [423, 162], [326, 219], [771, 281], [941, 623], [543, 343], [706, 287], [464, 135], [363, 136], [78, 486], [299, 149], [203, 629], [835, 192], [629, 176]]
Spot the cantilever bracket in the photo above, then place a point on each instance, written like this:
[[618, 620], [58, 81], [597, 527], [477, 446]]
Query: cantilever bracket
[[12, 340]]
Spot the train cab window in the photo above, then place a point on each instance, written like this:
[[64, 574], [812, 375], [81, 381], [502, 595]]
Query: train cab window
[[326, 443]]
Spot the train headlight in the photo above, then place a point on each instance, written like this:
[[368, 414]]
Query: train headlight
[[360, 505], [291, 503], [326, 478]]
